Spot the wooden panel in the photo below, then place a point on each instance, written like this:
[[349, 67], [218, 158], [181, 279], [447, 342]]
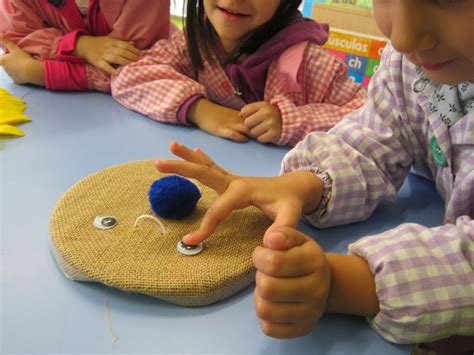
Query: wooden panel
[[347, 18]]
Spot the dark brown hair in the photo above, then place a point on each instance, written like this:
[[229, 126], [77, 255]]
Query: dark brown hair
[[202, 39], [56, 3]]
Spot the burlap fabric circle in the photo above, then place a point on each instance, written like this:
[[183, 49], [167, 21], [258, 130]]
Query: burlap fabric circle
[[142, 259]]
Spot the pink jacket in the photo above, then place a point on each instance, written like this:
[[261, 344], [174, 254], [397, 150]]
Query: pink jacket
[[309, 86], [49, 34]]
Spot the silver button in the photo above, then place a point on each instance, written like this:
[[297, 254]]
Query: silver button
[[187, 249], [105, 222]]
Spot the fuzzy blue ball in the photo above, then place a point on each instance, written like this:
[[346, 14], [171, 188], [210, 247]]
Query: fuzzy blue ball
[[173, 197]]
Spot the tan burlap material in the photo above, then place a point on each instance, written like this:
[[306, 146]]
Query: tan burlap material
[[142, 259]]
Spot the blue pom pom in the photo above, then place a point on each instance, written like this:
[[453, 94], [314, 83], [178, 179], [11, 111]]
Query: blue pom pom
[[173, 197]]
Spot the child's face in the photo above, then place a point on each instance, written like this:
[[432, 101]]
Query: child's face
[[234, 19], [437, 35]]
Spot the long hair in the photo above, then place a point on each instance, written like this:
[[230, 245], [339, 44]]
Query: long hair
[[202, 39]]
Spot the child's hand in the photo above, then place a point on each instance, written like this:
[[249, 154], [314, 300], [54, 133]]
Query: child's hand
[[281, 198], [20, 66], [264, 121], [105, 52], [218, 120], [292, 283]]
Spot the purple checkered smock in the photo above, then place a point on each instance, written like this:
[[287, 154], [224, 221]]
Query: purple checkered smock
[[424, 276]]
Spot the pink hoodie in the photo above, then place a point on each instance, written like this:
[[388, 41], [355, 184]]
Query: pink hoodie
[[49, 33]]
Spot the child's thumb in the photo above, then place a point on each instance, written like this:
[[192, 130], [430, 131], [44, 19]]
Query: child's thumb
[[9, 45], [283, 238]]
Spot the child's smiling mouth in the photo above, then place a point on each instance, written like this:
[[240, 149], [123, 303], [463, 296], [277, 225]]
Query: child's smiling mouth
[[232, 14]]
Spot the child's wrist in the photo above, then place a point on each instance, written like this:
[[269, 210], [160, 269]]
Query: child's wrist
[[193, 111], [78, 46], [312, 197], [35, 72], [352, 286]]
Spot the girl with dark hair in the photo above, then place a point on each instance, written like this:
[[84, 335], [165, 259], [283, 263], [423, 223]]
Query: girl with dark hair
[[242, 69], [77, 44]]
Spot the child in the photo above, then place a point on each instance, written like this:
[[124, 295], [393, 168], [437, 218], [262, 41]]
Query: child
[[415, 283], [246, 68], [77, 44]]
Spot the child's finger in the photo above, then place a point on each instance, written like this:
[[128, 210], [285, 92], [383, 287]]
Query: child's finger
[[286, 330], [116, 59], [240, 127], [286, 289], [209, 177], [266, 137], [250, 109], [129, 47], [125, 53], [258, 130], [8, 44], [287, 216], [253, 120], [205, 158], [276, 312], [193, 156], [234, 135], [107, 68], [295, 263], [283, 238], [215, 215]]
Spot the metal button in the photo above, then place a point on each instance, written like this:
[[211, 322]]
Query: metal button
[[105, 222], [187, 249]]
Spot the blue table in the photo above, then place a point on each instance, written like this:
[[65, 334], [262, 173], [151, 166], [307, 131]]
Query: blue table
[[76, 134]]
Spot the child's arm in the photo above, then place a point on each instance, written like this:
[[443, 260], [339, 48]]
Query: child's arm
[[293, 278], [22, 24], [64, 67], [424, 277], [106, 53], [138, 26], [160, 83], [425, 280], [282, 198], [296, 282], [20, 66], [163, 85], [326, 95]]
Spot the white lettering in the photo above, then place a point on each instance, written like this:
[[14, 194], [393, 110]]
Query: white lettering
[[355, 63], [350, 45]]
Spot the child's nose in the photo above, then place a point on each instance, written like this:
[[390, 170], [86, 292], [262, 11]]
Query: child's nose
[[412, 30]]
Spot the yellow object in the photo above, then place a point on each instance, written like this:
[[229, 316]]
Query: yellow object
[[11, 112], [12, 117], [8, 130], [11, 103]]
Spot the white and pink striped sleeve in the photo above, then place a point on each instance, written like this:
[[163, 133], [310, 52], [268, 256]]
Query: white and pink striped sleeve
[[160, 83], [327, 95]]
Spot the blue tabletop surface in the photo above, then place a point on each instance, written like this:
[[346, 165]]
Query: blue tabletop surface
[[76, 134]]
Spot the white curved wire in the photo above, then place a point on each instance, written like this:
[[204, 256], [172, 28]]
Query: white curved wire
[[149, 216]]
